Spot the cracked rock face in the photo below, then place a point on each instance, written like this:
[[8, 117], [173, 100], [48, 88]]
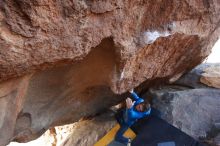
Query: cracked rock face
[[61, 60]]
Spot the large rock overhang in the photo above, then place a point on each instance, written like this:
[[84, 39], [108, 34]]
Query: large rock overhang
[[63, 60]]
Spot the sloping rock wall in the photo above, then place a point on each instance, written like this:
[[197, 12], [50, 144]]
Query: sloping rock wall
[[193, 111], [211, 76], [74, 58], [188, 104], [194, 108], [83, 133], [60, 95], [152, 39]]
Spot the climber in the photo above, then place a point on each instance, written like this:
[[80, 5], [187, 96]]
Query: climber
[[134, 110]]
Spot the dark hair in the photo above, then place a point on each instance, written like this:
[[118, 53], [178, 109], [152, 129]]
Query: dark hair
[[146, 105]]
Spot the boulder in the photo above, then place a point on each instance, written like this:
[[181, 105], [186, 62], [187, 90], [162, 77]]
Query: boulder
[[211, 76], [191, 105], [86, 132], [149, 40], [57, 96], [11, 103], [196, 78], [194, 111], [72, 59]]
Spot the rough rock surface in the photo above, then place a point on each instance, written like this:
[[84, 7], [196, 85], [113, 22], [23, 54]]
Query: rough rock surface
[[72, 57], [150, 39], [90, 131], [56, 96], [193, 78], [187, 104], [83, 133], [211, 76], [49, 138], [193, 110]]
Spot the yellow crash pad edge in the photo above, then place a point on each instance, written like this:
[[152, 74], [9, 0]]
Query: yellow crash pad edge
[[109, 137]]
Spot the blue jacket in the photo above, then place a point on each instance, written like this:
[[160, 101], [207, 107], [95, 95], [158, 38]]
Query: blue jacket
[[132, 115]]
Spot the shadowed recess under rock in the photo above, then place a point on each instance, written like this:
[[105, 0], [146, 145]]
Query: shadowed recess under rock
[[66, 93]]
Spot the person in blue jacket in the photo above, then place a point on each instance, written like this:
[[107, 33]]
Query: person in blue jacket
[[134, 110]]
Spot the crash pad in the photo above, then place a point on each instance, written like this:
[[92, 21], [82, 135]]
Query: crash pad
[[153, 131], [108, 139]]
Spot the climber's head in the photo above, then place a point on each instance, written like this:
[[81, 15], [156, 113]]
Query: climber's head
[[143, 106]]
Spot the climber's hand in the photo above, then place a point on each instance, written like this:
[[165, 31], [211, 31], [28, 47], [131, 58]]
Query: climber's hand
[[131, 90], [129, 103]]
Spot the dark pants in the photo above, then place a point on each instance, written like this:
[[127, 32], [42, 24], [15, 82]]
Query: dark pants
[[124, 127], [119, 135]]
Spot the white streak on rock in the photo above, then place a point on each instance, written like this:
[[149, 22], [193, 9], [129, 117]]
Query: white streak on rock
[[122, 75], [151, 36]]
